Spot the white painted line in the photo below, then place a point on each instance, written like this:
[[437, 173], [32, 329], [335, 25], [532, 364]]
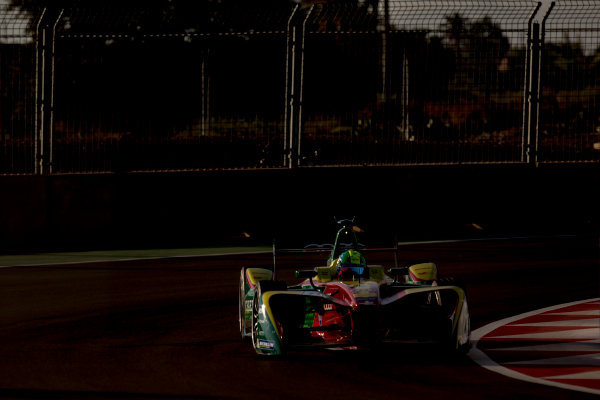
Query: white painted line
[[481, 332], [585, 360], [572, 334], [593, 313], [85, 257], [121, 259], [483, 360], [489, 239], [580, 346], [583, 323], [582, 375]]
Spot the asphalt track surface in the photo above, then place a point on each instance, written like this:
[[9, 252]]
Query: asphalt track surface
[[167, 328]]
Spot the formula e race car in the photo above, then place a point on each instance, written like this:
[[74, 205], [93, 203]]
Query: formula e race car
[[350, 304]]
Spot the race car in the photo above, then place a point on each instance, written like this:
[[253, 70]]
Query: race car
[[350, 304]]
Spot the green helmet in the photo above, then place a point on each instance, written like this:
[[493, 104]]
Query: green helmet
[[349, 263]]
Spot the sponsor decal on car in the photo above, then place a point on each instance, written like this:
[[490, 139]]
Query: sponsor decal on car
[[368, 301], [366, 295], [266, 344], [248, 305]]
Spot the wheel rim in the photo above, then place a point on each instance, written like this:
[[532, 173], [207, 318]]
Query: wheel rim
[[255, 319]]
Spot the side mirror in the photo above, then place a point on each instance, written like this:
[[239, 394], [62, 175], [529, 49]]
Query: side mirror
[[310, 274], [305, 273], [396, 272]]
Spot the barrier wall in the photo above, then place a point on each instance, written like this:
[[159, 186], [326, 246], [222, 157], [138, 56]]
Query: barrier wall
[[71, 212]]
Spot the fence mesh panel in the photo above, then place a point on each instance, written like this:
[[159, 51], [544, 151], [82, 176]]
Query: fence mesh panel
[[167, 95], [465, 79], [206, 85], [17, 90], [441, 82], [570, 120]]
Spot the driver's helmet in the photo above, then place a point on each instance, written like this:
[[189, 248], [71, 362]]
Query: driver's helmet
[[350, 263]]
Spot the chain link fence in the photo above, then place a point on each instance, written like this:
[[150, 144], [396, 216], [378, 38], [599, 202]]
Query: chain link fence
[[168, 92], [213, 86], [428, 83], [18, 111], [570, 83]]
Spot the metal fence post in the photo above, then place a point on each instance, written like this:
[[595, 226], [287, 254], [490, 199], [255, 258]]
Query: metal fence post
[[289, 91], [293, 97], [533, 95], [385, 59], [39, 93], [533, 87], [46, 30]]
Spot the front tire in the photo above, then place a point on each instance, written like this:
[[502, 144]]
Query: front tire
[[255, 312], [263, 287], [242, 304]]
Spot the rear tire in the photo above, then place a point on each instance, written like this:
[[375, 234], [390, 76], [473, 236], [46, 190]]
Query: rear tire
[[461, 349]]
